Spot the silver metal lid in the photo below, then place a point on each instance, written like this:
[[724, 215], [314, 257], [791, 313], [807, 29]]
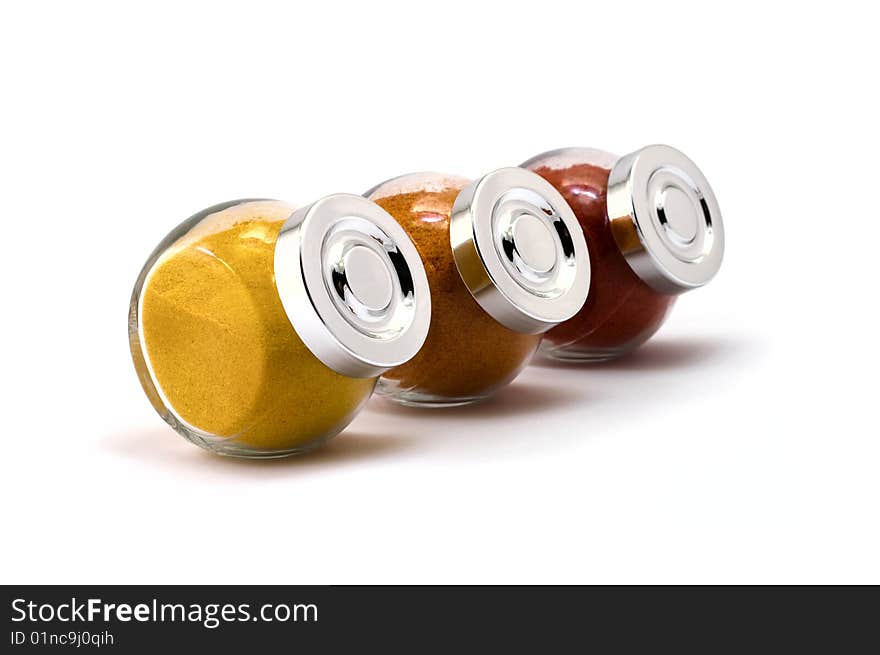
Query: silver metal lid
[[520, 250], [665, 219], [352, 285]]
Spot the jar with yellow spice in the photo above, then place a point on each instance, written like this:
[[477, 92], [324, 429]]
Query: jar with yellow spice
[[260, 331], [506, 261]]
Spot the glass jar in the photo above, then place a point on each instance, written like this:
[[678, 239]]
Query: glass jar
[[505, 261], [260, 331], [654, 231]]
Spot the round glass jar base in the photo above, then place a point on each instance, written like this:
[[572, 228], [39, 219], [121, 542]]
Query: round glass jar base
[[388, 390], [231, 447], [431, 402], [585, 355]]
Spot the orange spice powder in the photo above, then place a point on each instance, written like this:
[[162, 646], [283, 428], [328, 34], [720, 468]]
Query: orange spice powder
[[467, 355]]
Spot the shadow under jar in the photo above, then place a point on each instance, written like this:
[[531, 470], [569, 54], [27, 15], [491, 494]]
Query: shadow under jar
[[260, 331], [505, 261], [654, 231]]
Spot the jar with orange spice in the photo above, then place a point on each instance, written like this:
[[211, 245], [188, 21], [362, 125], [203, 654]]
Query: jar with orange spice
[[505, 261], [654, 231]]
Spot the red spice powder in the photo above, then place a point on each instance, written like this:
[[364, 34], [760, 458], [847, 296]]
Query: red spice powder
[[622, 311]]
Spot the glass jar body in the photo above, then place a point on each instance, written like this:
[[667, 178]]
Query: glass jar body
[[467, 355], [214, 349], [621, 311]]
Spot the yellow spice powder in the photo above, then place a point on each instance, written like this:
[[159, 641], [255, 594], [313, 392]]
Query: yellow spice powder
[[221, 348]]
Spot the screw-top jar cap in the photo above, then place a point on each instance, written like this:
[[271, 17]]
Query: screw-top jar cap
[[665, 219], [352, 285], [520, 250]]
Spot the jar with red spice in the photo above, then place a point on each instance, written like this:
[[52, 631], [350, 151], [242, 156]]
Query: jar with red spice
[[654, 231], [505, 260]]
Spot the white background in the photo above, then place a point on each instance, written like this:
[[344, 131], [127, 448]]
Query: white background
[[740, 445]]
